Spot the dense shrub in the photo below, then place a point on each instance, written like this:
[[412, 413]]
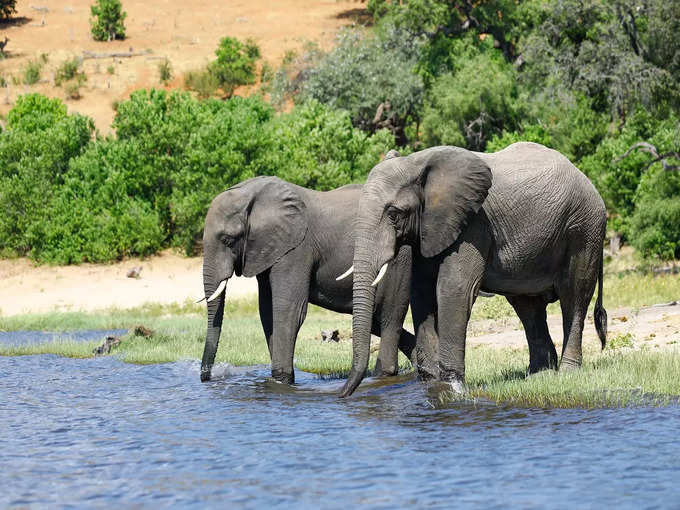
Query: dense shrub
[[103, 211], [35, 152], [235, 64], [473, 104], [370, 77], [317, 147], [107, 23]]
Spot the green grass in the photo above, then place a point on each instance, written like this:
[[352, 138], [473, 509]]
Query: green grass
[[612, 378], [619, 376]]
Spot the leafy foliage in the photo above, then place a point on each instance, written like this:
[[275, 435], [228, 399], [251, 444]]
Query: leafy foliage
[[235, 64], [107, 22], [371, 78], [475, 103]]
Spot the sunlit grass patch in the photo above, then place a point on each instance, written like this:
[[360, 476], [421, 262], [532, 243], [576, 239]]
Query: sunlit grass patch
[[612, 378], [60, 346]]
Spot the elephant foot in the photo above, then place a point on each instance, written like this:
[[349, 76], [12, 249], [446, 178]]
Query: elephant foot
[[283, 377], [384, 371], [569, 364], [205, 375], [426, 375], [544, 364]]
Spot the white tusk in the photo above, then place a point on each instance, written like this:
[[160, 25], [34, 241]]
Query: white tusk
[[381, 273], [219, 290], [345, 274], [202, 299]]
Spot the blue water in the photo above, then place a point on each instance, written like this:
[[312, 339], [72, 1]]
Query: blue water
[[99, 433]]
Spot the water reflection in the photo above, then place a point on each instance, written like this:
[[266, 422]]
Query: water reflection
[[99, 433]]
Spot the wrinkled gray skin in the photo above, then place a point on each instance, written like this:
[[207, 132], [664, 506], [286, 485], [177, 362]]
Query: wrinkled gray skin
[[523, 222], [296, 241]]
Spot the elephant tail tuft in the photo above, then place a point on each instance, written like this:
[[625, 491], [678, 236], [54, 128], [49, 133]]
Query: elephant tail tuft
[[600, 314]]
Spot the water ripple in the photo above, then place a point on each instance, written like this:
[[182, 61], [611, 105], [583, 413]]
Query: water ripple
[[99, 432]]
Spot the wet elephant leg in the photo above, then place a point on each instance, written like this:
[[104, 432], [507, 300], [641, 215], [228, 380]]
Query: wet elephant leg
[[290, 292], [531, 311], [458, 282], [424, 313]]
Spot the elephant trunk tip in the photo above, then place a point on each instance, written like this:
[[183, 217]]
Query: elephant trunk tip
[[205, 374], [351, 384]]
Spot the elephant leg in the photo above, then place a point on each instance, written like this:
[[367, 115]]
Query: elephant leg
[[424, 313], [391, 314], [387, 363], [290, 292], [460, 276], [531, 311], [575, 290], [264, 295]]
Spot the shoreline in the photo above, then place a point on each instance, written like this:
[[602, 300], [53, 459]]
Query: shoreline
[[167, 278]]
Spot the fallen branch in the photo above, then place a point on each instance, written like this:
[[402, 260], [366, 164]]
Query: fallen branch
[[650, 149], [124, 54]]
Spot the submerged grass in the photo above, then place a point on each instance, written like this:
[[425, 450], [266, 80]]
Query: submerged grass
[[619, 376]]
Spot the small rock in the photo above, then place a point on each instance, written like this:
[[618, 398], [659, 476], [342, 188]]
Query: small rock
[[623, 318], [330, 336], [105, 348], [134, 272], [143, 331]]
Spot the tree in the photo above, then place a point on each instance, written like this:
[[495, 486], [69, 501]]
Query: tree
[[235, 64], [7, 8], [107, 24]]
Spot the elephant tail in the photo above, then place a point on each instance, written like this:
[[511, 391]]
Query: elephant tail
[[600, 314]]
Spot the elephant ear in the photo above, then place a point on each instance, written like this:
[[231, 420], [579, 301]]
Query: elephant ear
[[277, 223], [455, 184]]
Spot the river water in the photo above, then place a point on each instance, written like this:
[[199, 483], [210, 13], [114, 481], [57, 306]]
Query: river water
[[99, 433]]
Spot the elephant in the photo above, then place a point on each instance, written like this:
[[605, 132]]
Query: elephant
[[523, 222], [295, 241]]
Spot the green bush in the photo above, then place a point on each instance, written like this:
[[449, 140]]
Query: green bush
[[478, 101], [35, 112], [235, 64], [107, 20], [531, 133], [370, 77], [318, 147], [34, 156], [32, 72], [103, 211]]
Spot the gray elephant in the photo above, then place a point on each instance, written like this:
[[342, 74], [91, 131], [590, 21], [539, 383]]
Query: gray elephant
[[296, 241], [522, 222]]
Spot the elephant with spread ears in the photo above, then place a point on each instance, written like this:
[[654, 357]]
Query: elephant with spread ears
[[296, 242], [522, 222]]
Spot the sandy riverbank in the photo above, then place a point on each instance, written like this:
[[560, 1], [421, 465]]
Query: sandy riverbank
[[165, 278]]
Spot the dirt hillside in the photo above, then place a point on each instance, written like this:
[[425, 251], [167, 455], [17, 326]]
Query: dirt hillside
[[186, 33]]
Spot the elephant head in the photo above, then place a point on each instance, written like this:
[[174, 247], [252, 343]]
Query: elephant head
[[247, 229], [425, 200]]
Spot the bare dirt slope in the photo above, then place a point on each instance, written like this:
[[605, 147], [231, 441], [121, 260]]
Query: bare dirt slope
[[186, 33]]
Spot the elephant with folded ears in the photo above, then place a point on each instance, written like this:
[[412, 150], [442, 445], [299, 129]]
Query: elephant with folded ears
[[296, 242], [522, 222]]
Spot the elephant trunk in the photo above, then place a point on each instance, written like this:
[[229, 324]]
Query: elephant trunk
[[365, 271], [215, 317]]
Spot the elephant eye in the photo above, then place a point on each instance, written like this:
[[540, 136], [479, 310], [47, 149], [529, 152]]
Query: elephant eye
[[227, 240], [394, 214]]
